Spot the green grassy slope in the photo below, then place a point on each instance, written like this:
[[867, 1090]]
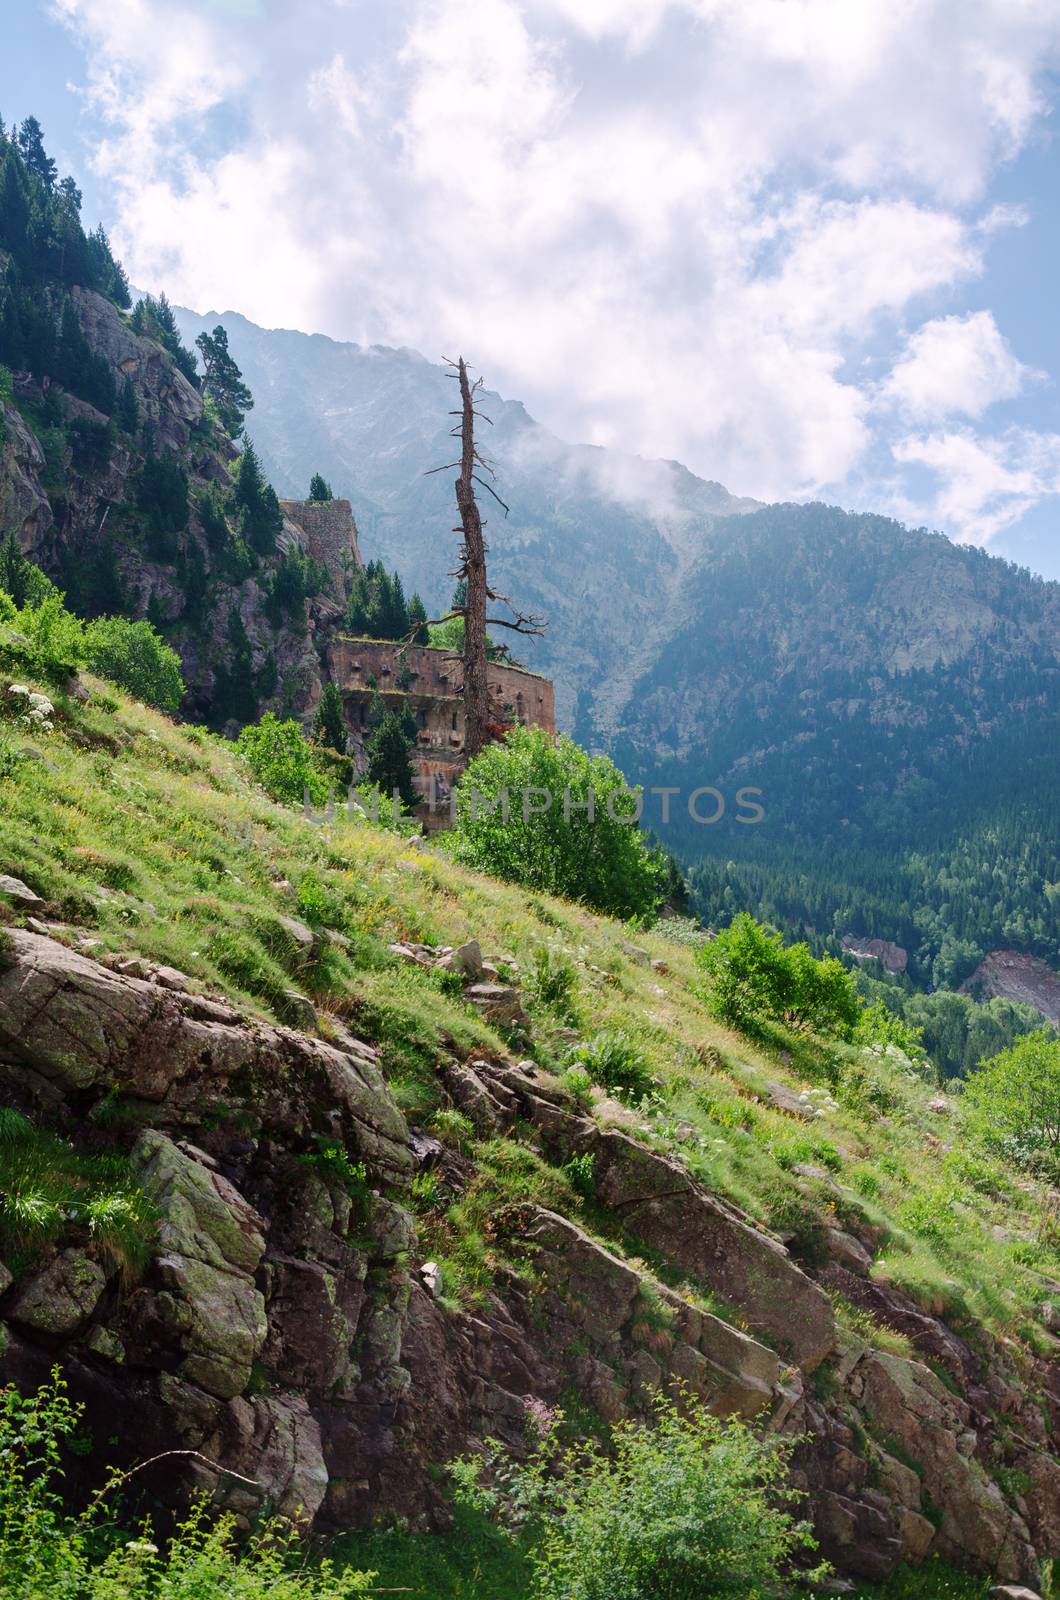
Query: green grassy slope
[[152, 839]]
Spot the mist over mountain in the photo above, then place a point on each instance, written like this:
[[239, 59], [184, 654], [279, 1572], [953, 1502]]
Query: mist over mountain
[[880, 685]]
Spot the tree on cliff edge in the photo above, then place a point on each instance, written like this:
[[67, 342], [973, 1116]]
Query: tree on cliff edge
[[223, 383]]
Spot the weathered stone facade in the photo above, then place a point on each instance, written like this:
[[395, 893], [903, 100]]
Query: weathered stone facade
[[328, 534], [431, 680]]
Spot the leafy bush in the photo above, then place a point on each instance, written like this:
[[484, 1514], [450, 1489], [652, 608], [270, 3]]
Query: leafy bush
[[1014, 1101], [878, 1024], [752, 975], [521, 815], [617, 1062], [554, 981], [581, 1174], [281, 759], [132, 655], [46, 1554], [686, 1507]]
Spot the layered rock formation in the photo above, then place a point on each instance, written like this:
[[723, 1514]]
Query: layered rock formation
[[285, 1338]]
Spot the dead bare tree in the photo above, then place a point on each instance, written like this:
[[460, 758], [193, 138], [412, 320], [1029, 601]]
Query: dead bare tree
[[479, 726]]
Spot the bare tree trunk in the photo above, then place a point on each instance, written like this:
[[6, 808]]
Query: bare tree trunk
[[473, 568]]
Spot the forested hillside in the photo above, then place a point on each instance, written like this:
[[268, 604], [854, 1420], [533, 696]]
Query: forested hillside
[[124, 469]]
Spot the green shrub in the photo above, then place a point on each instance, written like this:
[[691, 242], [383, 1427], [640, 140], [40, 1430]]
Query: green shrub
[[132, 655], [580, 1172], [281, 758], [554, 981], [47, 1554], [616, 1062], [753, 976], [685, 1507], [1014, 1101], [877, 1024], [600, 859]]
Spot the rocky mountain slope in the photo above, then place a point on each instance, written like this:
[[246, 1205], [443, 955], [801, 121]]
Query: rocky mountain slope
[[119, 479], [367, 1217]]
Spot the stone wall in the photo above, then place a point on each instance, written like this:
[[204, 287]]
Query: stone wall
[[329, 535], [434, 683]]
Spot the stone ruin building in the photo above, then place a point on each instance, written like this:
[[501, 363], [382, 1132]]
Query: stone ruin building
[[429, 678]]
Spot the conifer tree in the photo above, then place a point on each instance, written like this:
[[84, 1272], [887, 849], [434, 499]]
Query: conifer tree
[[329, 725], [127, 411], [260, 511], [389, 767], [417, 619], [31, 148], [223, 381], [320, 488]]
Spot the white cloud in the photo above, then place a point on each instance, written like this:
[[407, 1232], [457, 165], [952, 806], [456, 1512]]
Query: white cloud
[[955, 366], [984, 484], [677, 226]]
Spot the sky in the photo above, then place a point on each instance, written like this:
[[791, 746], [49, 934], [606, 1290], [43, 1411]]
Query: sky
[[810, 248]]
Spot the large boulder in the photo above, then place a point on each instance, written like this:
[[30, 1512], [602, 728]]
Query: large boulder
[[76, 1024], [59, 1299], [210, 1244], [637, 1334], [660, 1204]]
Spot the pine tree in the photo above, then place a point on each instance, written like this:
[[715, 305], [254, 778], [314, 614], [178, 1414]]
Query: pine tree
[[156, 614], [389, 767], [14, 571], [260, 511], [192, 577], [329, 725], [154, 319], [235, 691], [223, 381], [320, 488], [417, 618], [31, 148]]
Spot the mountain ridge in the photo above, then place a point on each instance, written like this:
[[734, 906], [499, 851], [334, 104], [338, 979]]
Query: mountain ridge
[[866, 675]]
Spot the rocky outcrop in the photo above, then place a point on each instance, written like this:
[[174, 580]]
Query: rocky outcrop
[[1010, 975], [282, 1334], [631, 1335], [660, 1204], [890, 956], [76, 1025], [24, 506], [79, 510], [210, 1242], [906, 1404], [171, 404]]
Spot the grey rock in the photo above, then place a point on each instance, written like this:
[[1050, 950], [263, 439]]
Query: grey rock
[[304, 938], [499, 1004], [300, 1011], [211, 1242], [102, 1342], [60, 1298], [15, 889]]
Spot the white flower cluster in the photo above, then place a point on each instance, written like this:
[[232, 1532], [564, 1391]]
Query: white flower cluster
[[38, 709]]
